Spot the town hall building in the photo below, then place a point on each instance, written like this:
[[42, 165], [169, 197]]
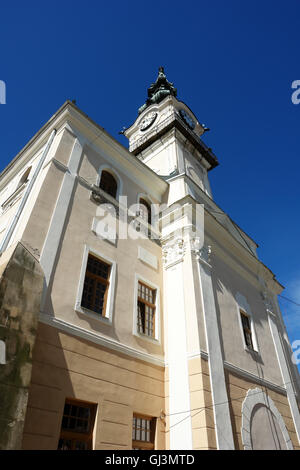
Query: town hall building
[[134, 312]]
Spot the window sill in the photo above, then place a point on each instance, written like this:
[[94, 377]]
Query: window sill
[[13, 198], [252, 351], [147, 338], [93, 315]]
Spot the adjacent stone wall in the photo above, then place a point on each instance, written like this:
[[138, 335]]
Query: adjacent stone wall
[[21, 285]]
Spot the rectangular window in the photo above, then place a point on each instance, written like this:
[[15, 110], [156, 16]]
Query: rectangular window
[[146, 310], [77, 426], [246, 323], [143, 432], [96, 284]]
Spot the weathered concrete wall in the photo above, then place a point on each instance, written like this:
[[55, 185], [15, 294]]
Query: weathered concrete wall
[[21, 285]]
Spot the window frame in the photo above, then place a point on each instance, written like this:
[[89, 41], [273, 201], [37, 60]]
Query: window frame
[[243, 307], [75, 435], [113, 182], [156, 338], [115, 174], [145, 445], [247, 329], [100, 279], [108, 314], [141, 300]]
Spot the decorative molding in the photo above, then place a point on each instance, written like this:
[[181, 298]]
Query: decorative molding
[[146, 257], [108, 314], [173, 252], [14, 197], [108, 343], [202, 254], [255, 378], [255, 397]]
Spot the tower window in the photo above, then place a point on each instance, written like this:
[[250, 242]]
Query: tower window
[[96, 285], [108, 183], [77, 425], [143, 432], [246, 324], [146, 310], [145, 211], [24, 178]]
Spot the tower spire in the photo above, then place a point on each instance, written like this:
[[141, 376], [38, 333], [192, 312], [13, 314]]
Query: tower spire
[[159, 90]]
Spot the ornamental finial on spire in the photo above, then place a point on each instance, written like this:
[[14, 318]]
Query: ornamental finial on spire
[[159, 90]]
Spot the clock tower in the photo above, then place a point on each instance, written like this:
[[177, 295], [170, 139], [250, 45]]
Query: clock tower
[[166, 136]]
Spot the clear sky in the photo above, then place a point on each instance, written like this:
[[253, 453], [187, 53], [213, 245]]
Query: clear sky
[[233, 62]]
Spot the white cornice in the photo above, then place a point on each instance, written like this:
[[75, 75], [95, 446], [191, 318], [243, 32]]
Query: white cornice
[[72, 116], [101, 340], [145, 357]]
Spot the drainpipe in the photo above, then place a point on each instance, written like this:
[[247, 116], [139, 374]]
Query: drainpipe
[[10, 230]]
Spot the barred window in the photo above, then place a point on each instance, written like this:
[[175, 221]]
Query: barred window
[[77, 425], [108, 183], [246, 323], [146, 310], [96, 285], [143, 432]]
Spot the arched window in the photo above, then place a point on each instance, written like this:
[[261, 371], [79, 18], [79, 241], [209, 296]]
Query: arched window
[[145, 210], [108, 183], [24, 178]]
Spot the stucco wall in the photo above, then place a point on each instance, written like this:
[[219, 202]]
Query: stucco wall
[[228, 284], [237, 388], [68, 367]]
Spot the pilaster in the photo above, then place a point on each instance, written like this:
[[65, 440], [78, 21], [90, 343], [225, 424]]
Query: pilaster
[[223, 424]]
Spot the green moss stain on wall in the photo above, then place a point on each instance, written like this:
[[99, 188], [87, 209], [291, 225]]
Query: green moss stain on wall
[[20, 295]]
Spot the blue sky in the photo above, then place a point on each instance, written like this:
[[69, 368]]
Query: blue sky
[[232, 62]]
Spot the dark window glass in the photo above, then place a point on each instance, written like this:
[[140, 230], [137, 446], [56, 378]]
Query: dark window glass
[[77, 426], [246, 323], [96, 284], [108, 183], [145, 211], [146, 310]]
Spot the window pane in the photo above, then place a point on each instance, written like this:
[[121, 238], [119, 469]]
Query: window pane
[[141, 432], [95, 285], [77, 426], [64, 444]]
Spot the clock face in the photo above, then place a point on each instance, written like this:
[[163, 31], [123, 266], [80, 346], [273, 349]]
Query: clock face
[[148, 121], [187, 119]]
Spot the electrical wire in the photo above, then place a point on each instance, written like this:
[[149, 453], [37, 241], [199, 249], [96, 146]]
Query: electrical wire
[[289, 300], [217, 404]]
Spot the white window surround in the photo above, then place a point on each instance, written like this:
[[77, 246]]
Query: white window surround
[[242, 305], [108, 315], [156, 339], [114, 173], [253, 398], [154, 227]]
